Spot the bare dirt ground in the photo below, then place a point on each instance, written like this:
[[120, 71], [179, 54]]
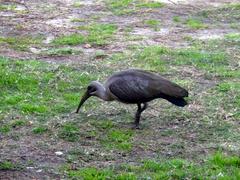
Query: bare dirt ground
[[52, 18]]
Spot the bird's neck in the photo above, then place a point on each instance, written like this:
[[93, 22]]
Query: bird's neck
[[103, 94]]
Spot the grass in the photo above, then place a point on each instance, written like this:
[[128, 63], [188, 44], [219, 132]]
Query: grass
[[5, 129], [228, 86], [90, 173], [118, 139], [9, 7], [120, 7], [78, 20], [77, 4], [40, 129], [37, 98], [21, 43], [158, 58], [233, 36], [61, 52], [150, 4], [150, 58], [123, 7], [152, 23], [41, 90], [195, 24], [216, 166], [69, 132], [202, 60], [98, 34], [7, 165], [18, 123], [73, 39], [235, 6], [176, 19], [228, 13]]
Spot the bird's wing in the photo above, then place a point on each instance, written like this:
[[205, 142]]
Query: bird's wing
[[158, 84], [139, 86], [130, 89], [170, 89]]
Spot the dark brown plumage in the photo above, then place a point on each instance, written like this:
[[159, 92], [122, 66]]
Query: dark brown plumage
[[136, 87]]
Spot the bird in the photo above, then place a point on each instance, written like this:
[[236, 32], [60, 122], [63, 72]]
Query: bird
[[136, 86]]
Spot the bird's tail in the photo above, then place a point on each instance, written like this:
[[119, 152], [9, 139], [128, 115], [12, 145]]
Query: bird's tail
[[177, 101]]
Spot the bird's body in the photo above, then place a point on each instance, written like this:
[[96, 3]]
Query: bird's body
[[135, 86]]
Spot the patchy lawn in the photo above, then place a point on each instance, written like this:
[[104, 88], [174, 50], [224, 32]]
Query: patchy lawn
[[49, 52]]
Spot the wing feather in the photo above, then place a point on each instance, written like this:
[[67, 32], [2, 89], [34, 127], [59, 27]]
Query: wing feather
[[134, 86]]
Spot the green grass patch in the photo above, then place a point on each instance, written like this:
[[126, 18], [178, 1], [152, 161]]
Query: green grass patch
[[103, 125], [200, 59], [224, 162], [31, 108], [5, 128], [18, 123], [123, 7], [78, 20], [61, 52], [21, 43], [119, 139], [157, 58], [153, 23], [69, 132], [229, 89], [7, 7], [7, 165], [176, 19], [73, 39], [229, 13], [38, 88], [98, 34], [233, 36], [225, 72], [235, 6], [228, 86], [91, 173], [195, 24], [77, 4], [40, 129], [218, 165], [150, 58], [120, 7], [150, 4]]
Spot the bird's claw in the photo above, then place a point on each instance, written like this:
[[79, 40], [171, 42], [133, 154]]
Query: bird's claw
[[135, 126]]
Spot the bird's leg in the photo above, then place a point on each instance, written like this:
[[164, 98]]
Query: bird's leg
[[138, 114]]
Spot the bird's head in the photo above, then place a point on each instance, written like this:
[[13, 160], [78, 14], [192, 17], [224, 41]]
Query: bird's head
[[93, 89]]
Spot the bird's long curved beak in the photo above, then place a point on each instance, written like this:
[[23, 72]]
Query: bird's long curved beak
[[84, 98]]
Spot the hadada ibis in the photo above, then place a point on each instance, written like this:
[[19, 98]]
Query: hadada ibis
[[135, 86]]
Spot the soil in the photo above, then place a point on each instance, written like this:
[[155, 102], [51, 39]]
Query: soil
[[52, 18]]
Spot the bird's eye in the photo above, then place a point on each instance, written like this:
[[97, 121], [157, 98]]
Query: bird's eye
[[91, 89]]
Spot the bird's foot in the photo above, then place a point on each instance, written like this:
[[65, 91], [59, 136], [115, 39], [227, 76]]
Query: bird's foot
[[135, 126]]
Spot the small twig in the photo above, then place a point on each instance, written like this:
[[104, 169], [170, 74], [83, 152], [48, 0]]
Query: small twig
[[20, 3], [172, 2]]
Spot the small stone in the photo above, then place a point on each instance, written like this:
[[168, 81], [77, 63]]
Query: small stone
[[87, 46], [34, 50], [59, 153], [38, 171], [49, 39]]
